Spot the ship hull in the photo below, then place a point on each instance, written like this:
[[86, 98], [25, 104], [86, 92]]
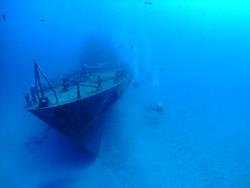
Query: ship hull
[[80, 119]]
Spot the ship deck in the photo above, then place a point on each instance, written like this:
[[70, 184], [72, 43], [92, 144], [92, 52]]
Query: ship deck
[[87, 88]]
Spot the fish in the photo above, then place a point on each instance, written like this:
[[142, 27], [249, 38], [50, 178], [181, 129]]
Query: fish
[[4, 17], [148, 3], [157, 108]]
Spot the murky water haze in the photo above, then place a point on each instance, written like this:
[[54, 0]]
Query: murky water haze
[[190, 57]]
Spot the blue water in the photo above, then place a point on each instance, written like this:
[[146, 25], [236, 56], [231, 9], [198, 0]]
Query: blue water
[[190, 57]]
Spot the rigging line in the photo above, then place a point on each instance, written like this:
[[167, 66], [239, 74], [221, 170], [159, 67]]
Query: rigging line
[[44, 76]]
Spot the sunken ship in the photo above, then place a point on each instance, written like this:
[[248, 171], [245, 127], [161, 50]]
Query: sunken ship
[[74, 104]]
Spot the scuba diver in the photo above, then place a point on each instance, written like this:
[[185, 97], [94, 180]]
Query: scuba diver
[[65, 84]]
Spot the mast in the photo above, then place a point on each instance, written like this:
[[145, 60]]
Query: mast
[[38, 85]]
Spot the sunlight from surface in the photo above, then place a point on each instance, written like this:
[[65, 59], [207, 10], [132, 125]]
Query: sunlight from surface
[[223, 10]]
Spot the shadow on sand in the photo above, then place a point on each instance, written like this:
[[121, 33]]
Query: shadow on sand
[[52, 148]]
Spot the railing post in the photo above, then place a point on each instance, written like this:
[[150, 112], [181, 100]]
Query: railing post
[[99, 85], [78, 90]]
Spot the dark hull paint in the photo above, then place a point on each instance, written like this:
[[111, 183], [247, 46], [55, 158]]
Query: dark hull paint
[[78, 120]]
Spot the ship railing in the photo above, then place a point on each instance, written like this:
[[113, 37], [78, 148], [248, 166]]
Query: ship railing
[[98, 86]]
